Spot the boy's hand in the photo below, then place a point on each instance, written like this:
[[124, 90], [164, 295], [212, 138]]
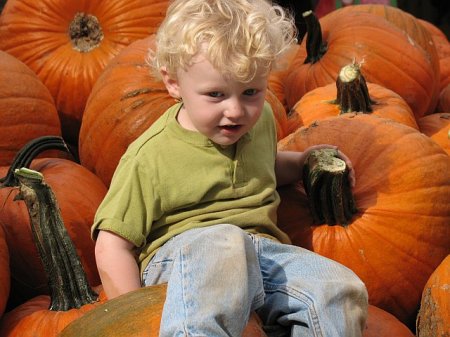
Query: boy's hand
[[339, 154]]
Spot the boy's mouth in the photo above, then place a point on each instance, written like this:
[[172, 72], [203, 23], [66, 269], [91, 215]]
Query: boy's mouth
[[230, 127]]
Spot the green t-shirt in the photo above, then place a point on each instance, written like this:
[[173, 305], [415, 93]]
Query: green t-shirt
[[171, 179]]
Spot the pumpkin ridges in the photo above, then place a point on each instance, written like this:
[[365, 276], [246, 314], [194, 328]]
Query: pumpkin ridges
[[408, 23], [322, 102], [45, 45], [27, 111], [380, 46], [401, 193]]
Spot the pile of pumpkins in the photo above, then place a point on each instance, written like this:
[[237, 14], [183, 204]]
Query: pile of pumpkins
[[371, 79]]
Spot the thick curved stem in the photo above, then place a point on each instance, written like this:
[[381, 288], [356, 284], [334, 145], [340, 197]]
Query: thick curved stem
[[68, 284], [352, 92], [315, 47], [325, 178], [30, 151]]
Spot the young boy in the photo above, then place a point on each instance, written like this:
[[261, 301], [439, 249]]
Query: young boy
[[193, 201]]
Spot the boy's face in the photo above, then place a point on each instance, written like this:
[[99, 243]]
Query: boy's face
[[220, 108]]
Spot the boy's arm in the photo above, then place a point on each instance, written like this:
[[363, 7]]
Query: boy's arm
[[116, 264], [289, 164]]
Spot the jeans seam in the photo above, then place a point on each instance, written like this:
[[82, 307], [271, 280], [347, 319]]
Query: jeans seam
[[185, 328], [300, 296]]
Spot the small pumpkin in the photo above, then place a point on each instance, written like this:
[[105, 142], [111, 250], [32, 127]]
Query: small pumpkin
[[351, 93], [27, 109], [400, 231], [381, 323], [433, 319]]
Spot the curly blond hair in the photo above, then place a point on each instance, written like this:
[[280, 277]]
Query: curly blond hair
[[242, 36]]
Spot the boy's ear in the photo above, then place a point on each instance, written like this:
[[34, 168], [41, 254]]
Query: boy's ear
[[170, 83]]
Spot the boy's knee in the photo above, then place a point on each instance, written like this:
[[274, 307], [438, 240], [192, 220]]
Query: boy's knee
[[225, 234]]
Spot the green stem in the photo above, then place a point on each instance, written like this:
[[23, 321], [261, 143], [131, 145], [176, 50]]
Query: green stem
[[352, 92], [68, 284], [29, 152], [325, 178], [315, 48]]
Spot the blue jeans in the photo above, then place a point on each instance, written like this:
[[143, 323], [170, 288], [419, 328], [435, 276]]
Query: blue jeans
[[217, 275]]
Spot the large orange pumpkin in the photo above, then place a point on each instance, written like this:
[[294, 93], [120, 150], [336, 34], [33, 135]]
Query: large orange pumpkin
[[433, 319], [79, 193], [27, 109], [401, 230], [351, 93], [137, 314], [68, 43], [388, 56]]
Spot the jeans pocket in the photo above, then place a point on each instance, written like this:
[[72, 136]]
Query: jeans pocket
[[157, 271]]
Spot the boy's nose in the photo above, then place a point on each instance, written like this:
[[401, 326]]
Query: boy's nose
[[234, 110]]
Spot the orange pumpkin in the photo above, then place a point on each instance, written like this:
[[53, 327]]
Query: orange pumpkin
[[388, 56], [437, 127], [433, 318], [380, 323], [444, 99], [277, 77], [4, 271], [401, 231], [408, 23], [68, 44], [79, 193], [27, 109], [137, 314], [443, 51], [351, 93], [70, 294]]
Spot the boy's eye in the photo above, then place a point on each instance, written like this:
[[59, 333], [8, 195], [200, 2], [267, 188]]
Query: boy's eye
[[250, 92], [215, 94]]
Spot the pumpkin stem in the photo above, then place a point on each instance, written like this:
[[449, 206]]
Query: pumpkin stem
[[29, 152], [85, 32], [325, 178], [352, 92], [315, 48], [68, 284]]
